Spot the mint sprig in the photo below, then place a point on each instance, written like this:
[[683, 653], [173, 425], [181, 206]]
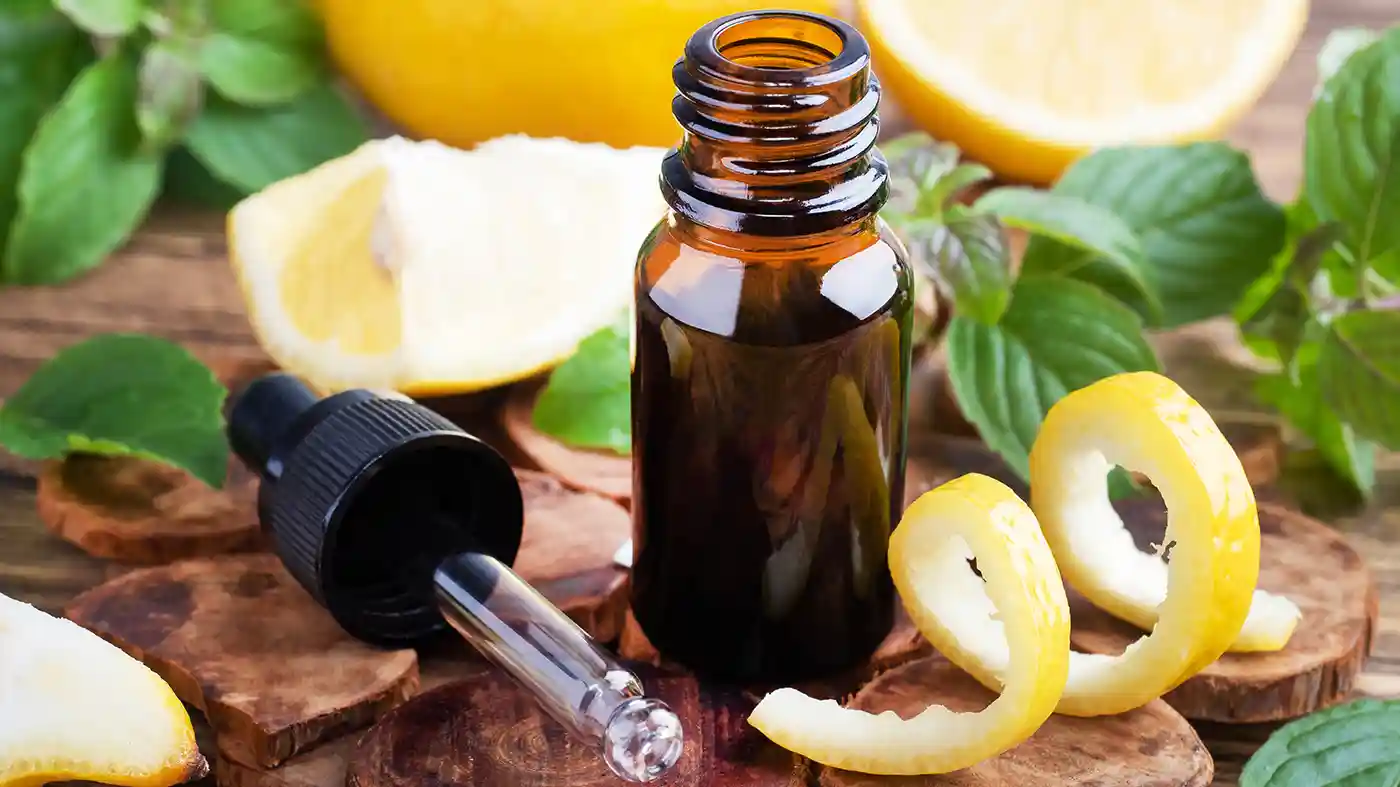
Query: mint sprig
[[121, 395], [587, 401], [84, 141]]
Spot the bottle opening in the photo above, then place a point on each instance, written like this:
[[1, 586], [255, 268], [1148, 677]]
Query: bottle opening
[[779, 41]]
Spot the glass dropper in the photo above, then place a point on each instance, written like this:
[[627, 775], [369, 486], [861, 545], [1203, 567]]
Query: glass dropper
[[402, 525]]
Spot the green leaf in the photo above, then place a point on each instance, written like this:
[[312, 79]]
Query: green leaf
[[1206, 230], [1351, 155], [947, 187], [916, 162], [1075, 223], [968, 258], [86, 182], [1359, 373], [40, 53], [1339, 46], [1356, 744], [187, 181], [1282, 317], [106, 18], [1057, 336], [289, 22], [587, 401], [257, 73], [122, 395], [169, 92], [1300, 402], [252, 147]]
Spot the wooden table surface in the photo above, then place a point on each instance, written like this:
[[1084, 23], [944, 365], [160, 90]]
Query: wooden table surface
[[173, 280]]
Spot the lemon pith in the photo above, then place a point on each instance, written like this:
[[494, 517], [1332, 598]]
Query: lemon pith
[[1020, 613], [74, 707], [1145, 422], [1073, 75]]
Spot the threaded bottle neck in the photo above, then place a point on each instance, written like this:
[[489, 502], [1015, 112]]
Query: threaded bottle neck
[[780, 114]]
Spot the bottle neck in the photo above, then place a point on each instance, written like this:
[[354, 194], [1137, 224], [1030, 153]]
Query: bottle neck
[[780, 114]]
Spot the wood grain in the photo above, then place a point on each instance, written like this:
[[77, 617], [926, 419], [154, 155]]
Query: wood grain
[[137, 511], [486, 732], [239, 639], [593, 471], [1152, 746]]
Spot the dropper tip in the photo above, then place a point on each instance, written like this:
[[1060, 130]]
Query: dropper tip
[[643, 740]]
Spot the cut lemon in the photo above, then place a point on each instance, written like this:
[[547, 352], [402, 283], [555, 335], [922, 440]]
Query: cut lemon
[[1027, 86], [1022, 603], [1196, 603], [420, 268], [74, 707]]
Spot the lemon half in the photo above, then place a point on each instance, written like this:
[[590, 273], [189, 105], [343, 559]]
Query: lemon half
[[416, 267], [74, 707], [1028, 86]]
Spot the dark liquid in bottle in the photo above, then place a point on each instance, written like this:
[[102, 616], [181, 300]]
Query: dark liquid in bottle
[[769, 447]]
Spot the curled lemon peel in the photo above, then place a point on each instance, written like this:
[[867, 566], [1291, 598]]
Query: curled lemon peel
[[1196, 604], [1021, 603]]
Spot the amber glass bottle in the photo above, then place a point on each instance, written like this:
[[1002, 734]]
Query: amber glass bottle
[[770, 384]]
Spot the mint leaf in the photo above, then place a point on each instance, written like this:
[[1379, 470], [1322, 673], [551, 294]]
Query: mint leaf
[[106, 18], [257, 73], [1359, 373], [1057, 336], [1206, 230], [1351, 156], [1300, 402], [122, 395], [40, 53], [289, 22], [915, 162], [86, 182], [1339, 46], [187, 181], [1356, 744], [252, 147], [1282, 316], [169, 92], [588, 400], [1072, 222], [968, 257], [947, 187]]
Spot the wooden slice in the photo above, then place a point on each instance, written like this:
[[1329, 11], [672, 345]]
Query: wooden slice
[[239, 639], [567, 552], [139, 511], [1300, 558], [1152, 745], [325, 765], [603, 472], [487, 732]]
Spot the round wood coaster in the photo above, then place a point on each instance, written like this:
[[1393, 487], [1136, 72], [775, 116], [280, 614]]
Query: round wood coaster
[[1300, 558], [487, 732], [567, 549], [239, 639], [138, 511], [1151, 746], [602, 472]]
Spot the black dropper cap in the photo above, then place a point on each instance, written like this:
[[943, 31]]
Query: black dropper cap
[[365, 495]]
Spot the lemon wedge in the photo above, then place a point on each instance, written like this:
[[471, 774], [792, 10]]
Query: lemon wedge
[[1021, 604], [1027, 86], [74, 707], [416, 267], [1195, 604]]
